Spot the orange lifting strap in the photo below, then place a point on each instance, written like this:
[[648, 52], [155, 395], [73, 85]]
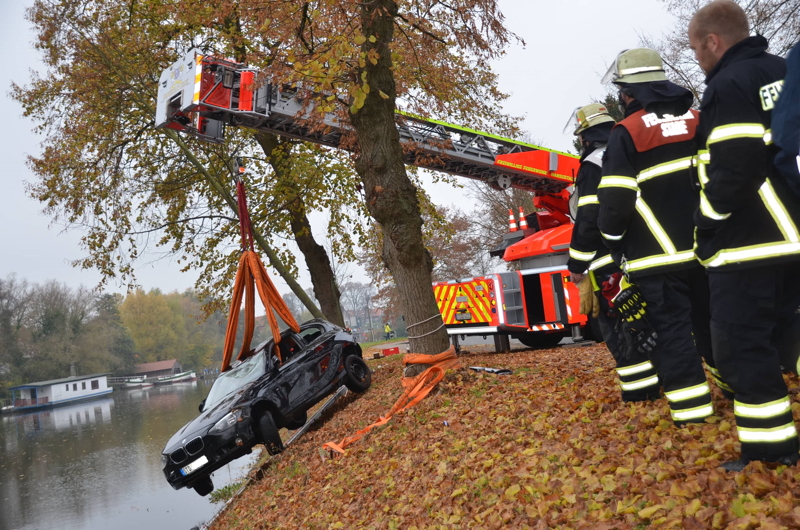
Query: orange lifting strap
[[416, 388], [250, 276]]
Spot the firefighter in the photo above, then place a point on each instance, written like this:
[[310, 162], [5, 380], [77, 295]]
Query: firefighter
[[646, 206], [590, 264], [387, 329], [747, 228]]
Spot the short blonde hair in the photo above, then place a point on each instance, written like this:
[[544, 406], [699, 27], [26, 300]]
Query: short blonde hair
[[724, 18]]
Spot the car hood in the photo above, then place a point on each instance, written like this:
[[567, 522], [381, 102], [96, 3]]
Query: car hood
[[206, 419]]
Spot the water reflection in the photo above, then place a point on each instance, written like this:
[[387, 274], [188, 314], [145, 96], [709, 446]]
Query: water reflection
[[97, 464]]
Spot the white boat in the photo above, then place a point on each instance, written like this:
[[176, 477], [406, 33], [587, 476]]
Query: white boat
[[136, 382], [182, 377]]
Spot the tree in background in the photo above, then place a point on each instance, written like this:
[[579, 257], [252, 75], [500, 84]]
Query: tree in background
[[777, 20], [158, 331]]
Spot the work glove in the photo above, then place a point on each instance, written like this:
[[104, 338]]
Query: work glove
[[609, 289], [587, 295], [640, 337]]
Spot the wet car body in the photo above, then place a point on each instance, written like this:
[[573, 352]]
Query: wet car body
[[237, 411]]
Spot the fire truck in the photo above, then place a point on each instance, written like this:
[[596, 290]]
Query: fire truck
[[202, 94]]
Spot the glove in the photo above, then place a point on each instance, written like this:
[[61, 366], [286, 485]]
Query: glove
[[642, 340], [596, 306], [629, 302], [587, 296]]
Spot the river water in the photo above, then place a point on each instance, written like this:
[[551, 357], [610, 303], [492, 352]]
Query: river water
[[97, 465]]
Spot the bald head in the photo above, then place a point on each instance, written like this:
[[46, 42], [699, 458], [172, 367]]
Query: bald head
[[723, 18], [714, 29]]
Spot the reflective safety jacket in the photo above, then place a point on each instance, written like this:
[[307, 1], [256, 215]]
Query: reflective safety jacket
[[586, 249], [747, 215], [646, 194]]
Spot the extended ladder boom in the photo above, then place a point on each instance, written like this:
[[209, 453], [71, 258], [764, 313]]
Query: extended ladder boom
[[202, 94]]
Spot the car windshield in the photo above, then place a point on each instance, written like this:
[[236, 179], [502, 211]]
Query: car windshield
[[234, 379]]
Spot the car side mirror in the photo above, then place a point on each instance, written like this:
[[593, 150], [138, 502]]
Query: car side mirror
[[202, 404]]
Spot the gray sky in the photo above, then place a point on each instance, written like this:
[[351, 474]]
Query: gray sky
[[568, 47]]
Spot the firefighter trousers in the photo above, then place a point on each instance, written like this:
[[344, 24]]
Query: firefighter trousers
[[637, 375], [671, 298], [751, 311]]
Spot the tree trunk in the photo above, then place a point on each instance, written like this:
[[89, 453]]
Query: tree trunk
[[323, 278], [391, 196]]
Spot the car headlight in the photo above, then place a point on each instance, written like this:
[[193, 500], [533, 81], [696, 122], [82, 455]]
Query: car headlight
[[227, 421], [164, 460]]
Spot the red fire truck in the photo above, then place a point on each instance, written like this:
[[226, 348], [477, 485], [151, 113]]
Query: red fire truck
[[202, 94]]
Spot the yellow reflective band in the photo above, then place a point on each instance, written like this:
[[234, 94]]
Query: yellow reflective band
[[581, 256], [612, 238], [664, 259], [768, 137], [778, 212], [601, 262], [703, 411], [654, 226], [770, 250], [736, 130], [688, 393], [588, 199], [767, 410], [707, 210], [618, 182], [704, 156], [721, 384], [664, 169], [713, 370], [635, 369], [778, 434], [641, 383]]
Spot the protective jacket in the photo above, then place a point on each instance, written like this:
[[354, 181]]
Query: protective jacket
[[646, 193], [786, 123], [747, 216], [586, 249]]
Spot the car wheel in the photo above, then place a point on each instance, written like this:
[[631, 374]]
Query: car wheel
[[297, 421], [203, 486], [269, 433], [540, 340], [359, 376]]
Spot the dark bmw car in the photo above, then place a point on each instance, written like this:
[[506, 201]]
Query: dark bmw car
[[250, 402]]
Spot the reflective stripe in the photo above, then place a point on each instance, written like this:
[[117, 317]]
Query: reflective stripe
[[721, 384], [612, 238], [778, 434], [589, 199], [664, 259], [635, 369], [640, 69], [641, 383], [618, 182], [768, 137], [654, 226], [664, 169], [581, 256], [767, 410], [713, 370], [736, 130], [707, 210], [770, 250], [703, 158], [778, 212], [703, 411], [688, 393], [601, 262]]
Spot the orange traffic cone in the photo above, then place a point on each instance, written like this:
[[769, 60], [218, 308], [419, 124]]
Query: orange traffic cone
[[523, 224], [512, 222]]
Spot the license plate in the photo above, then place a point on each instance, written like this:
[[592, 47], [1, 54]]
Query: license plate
[[194, 466], [463, 316]]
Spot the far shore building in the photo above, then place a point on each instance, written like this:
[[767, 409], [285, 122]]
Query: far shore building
[[158, 368]]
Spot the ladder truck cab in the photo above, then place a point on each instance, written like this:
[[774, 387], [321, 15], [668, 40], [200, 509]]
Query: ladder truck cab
[[202, 94]]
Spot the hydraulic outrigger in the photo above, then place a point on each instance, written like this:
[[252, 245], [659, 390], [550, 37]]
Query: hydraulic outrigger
[[202, 94]]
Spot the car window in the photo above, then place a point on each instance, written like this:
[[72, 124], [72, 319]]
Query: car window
[[311, 333], [251, 369], [289, 347]]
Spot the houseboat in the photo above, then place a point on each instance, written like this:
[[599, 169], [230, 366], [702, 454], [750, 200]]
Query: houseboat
[[57, 391]]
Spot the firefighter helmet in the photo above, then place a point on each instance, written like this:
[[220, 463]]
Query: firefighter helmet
[[587, 116], [639, 65]]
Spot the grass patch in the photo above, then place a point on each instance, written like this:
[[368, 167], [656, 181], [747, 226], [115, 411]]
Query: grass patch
[[224, 493]]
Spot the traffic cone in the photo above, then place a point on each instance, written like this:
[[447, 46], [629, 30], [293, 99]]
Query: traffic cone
[[523, 224], [512, 222]]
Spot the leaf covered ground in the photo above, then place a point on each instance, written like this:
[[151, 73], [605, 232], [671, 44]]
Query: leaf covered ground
[[551, 446]]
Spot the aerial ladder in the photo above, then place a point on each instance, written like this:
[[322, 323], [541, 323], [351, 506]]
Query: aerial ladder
[[202, 94]]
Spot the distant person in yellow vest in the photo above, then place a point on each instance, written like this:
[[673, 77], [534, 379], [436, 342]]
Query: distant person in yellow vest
[[388, 330]]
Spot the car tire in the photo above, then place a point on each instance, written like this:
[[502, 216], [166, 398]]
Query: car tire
[[203, 486], [269, 434], [359, 376], [540, 340]]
